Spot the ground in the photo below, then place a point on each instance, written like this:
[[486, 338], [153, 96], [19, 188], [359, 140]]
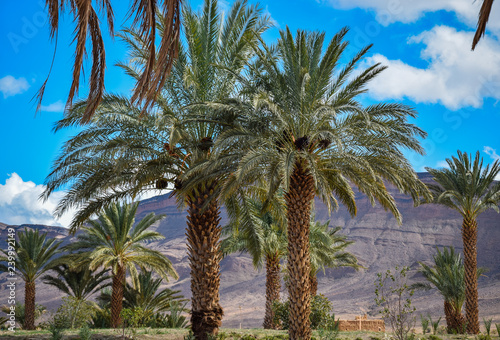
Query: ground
[[224, 334]]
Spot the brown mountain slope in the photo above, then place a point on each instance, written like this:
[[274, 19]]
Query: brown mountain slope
[[380, 244]]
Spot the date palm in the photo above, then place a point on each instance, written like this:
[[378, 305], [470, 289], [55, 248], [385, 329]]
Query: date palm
[[77, 282], [312, 137], [122, 154], [88, 26], [35, 255], [328, 250], [145, 293], [112, 241], [261, 234], [470, 189]]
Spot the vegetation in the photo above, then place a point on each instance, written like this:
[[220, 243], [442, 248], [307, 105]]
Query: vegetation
[[394, 296], [21, 312], [114, 242], [470, 189], [147, 17], [312, 137], [35, 255], [80, 282], [137, 153], [73, 313]]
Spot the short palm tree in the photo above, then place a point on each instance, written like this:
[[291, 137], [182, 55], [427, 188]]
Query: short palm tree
[[114, 242], [77, 282], [328, 250], [447, 276], [145, 294], [260, 233], [470, 189], [122, 154], [36, 254], [312, 137]]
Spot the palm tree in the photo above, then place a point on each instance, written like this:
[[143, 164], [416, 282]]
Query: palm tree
[[36, 254], [113, 242], [21, 312], [328, 251], [260, 233], [469, 189], [144, 293], [77, 282], [146, 19], [122, 154], [312, 137], [484, 15], [447, 276]]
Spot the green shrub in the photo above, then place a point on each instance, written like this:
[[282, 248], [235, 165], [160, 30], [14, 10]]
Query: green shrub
[[74, 313], [434, 337], [425, 323], [374, 338], [321, 313], [487, 325], [56, 331], [483, 337], [85, 333], [497, 325]]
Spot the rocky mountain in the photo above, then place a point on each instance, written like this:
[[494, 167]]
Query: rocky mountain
[[380, 244]]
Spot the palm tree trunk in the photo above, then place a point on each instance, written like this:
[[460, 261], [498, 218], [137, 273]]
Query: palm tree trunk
[[299, 199], [469, 237], [313, 281], [203, 237], [117, 297], [29, 305], [273, 286]]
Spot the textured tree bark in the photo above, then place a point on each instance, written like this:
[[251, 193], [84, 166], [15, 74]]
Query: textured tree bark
[[469, 237], [313, 282], [273, 286], [117, 297], [298, 201], [29, 305], [455, 321], [203, 237]]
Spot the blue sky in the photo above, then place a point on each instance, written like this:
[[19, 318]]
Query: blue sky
[[425, 44]]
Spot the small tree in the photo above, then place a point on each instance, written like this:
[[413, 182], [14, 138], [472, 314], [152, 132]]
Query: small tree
[[394, 296]]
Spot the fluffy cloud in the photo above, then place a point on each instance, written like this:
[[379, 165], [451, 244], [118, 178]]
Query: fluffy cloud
[[491, 152], [454, 77], [10, 86], [407, 11], [19, 204], [54, 107]]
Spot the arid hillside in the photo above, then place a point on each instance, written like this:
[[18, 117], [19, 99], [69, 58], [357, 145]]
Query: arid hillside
[[380, 244]]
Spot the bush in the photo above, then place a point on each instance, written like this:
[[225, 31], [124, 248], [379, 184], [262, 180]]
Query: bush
[[85, 333], [74, 313], [394, 296], [321, 313], [434, 337]]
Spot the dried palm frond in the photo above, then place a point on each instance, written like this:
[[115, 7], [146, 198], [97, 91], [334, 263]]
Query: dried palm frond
[[87, 24], [484, 15]]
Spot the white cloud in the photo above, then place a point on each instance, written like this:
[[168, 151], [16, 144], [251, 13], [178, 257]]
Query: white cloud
[[54, 107], [442, 164], [491, 152], [10, 86], [454, 77], [407, 11], [19, 204]]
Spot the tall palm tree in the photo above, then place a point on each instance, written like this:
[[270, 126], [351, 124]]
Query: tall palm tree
[[145, 294], [484, 16], [470, 189], [312, 137], [77, 282], [35, 255], [114, 242], [87, 21], [121, 153], [328, 251]]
